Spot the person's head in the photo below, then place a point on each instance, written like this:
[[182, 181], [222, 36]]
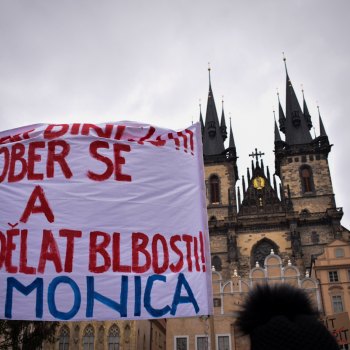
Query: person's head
[[282, 317]]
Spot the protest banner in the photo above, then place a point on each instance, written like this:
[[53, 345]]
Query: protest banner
[[103, 222], [338, 325]]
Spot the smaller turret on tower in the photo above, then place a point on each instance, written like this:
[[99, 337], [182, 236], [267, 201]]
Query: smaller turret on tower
[[223, 127]]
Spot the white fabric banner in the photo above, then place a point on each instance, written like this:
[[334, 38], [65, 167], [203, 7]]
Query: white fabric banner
[[103, 222]]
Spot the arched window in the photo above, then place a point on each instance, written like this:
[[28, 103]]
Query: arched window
[[306, 179], [261, 250], [216, 262], [214, 189], [88, 338], [113, 338], [63, 340]]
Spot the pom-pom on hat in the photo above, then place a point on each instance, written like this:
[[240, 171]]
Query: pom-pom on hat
[[282, 317]]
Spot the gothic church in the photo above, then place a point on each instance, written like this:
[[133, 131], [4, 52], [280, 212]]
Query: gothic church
[[271, 228], [295, 214]]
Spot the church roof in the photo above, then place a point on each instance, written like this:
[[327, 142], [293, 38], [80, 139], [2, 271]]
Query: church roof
[[213, 143], [297, 130], [307, 115], [322, 129]]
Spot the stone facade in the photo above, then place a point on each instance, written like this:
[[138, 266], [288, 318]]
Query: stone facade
[[110, 335], [321, 197], [267, 228], [228, 296], [332, 270], [293, 212]]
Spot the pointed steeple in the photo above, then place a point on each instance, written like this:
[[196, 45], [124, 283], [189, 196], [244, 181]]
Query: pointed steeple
[[243, 184], [274, 182], [277, 133], [297, 131], [239, 197], [262, 166], [281, 116], [322, 129], [231, 140], [213, 143], [223, 127], [201, 118], [307, 115]]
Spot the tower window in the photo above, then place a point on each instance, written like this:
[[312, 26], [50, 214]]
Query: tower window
[[214, 189], [306, 179], [216, 262]]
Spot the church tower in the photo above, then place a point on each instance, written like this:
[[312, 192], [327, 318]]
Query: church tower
[[301, 162], [294, 217], [220, 177]]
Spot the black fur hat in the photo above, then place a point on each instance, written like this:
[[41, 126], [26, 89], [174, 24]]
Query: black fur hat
[[281, 317]]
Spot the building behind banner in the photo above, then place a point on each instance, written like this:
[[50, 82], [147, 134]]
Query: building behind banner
[[276, 228], [290, 211]]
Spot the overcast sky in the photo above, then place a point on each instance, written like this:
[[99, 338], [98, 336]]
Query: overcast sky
[[100, 60]]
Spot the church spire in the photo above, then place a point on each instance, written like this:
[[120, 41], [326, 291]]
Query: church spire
[[223, 127], [231, 140], [322, 129], [281, 117], [213, 143], [201, 118], [277, 133], [307, 115], [231, 146], [297, 131]]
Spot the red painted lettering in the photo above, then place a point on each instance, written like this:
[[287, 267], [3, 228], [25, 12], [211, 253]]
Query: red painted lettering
[[10, 246], [49, 251], [188, 239], [94, 146], [117, 267], [137, 249], [70, 235], [99, 248], [178, 266], [17, 160], [23, 259], [6, 162], [55, 130], [43, 207], [119, 161], [155, 254], [2, 249], [106, 133], [59, 158], [33, 157]]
